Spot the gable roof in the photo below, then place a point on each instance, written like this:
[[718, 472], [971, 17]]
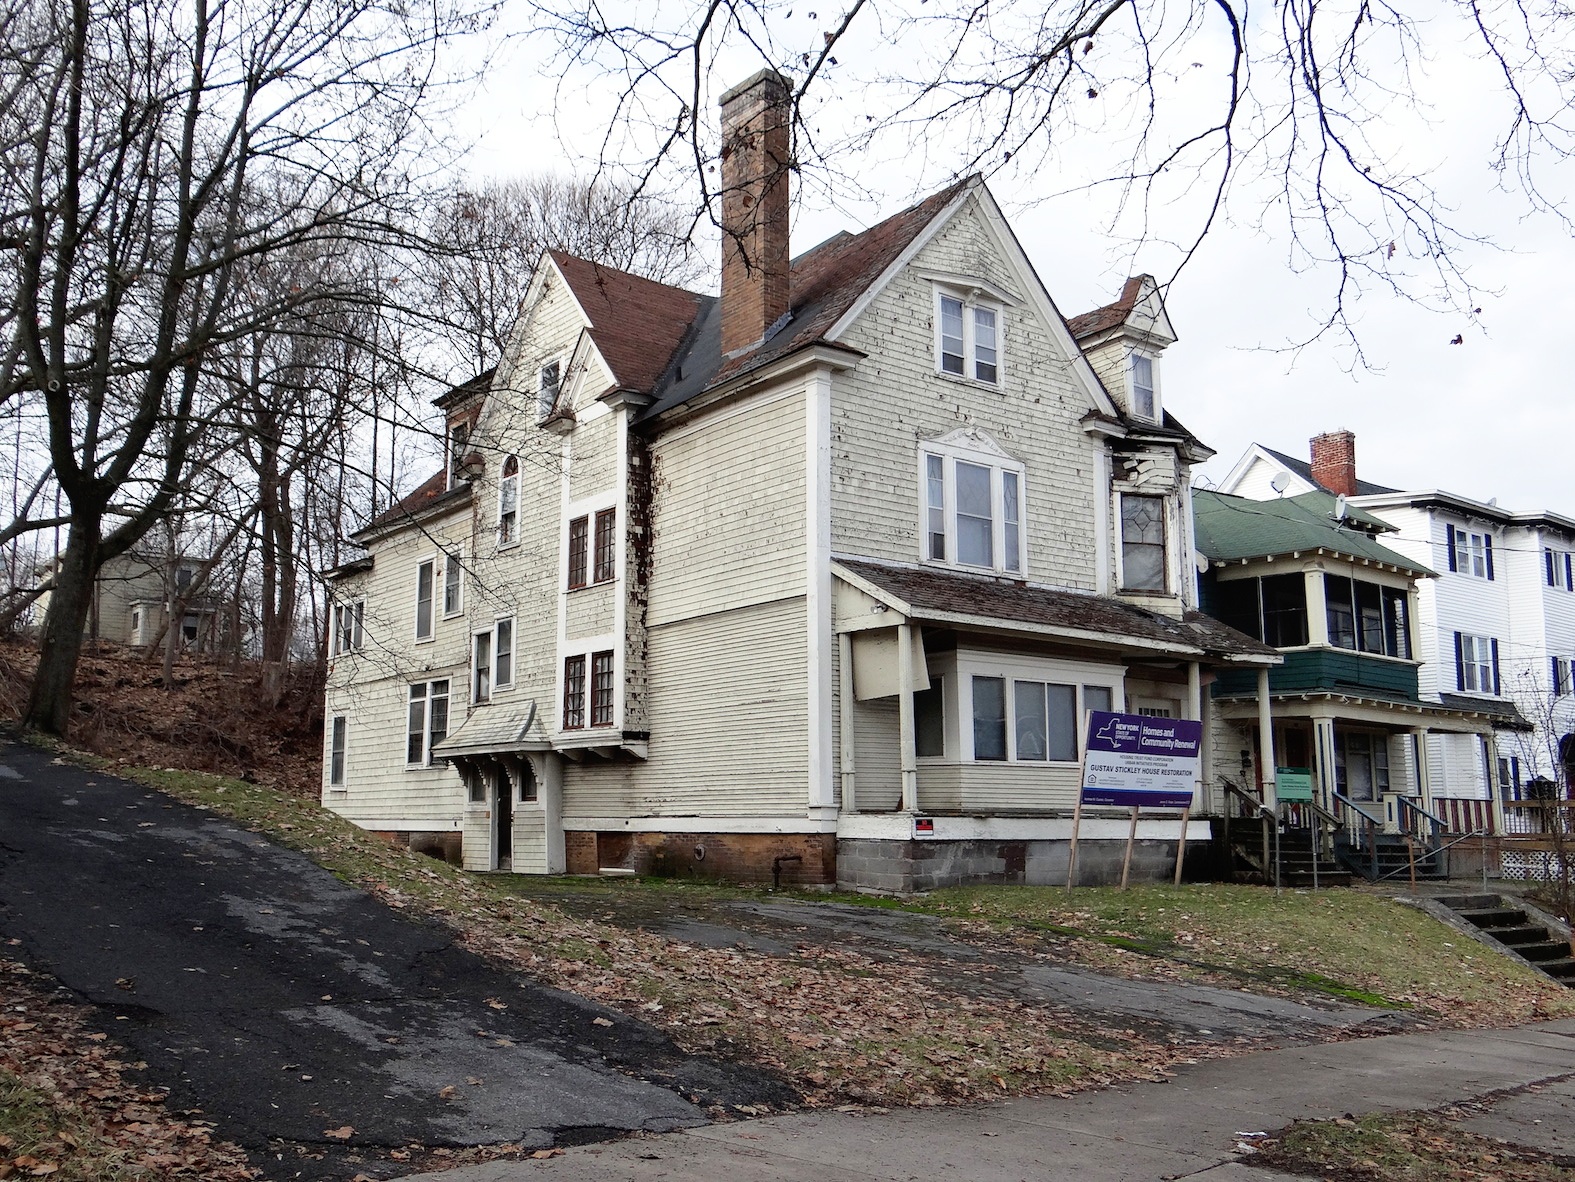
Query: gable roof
[[1111, 315], [636, 324], [433, 491], [1302, 468], [1228, 528]]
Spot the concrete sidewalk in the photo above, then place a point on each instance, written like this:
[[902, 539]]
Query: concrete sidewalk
[[1185, 1128]]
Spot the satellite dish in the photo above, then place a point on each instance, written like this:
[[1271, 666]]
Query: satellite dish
[[1339, 507], [1279, 482]]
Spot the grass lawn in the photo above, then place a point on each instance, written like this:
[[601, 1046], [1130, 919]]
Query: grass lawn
[[847, 1026]]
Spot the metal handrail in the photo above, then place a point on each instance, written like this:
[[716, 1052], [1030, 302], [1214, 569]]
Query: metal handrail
[[1259, 813], [1406, 802], [1354, 806]]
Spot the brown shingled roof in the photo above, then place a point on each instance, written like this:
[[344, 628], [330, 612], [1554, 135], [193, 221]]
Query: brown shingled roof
[[433, 489], [1110, 315], [826, 281], [636, 323], [945, 594]]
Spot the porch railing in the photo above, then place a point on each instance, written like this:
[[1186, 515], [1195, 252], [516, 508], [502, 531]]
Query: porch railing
[[1539, 817], [1362, 826], [1462, 816], [1243, 809]]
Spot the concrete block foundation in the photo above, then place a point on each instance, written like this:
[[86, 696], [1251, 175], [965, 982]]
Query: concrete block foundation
[[904, 867]]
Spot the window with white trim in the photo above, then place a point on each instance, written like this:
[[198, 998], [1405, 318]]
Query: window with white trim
[[549, 381], [1556, 569], [967, 337], [458, 437], [1476, 663], [574, 692], [481, 667], [1030, 720], [1560, 675], [1140, 383], [338, 737], [425, 573], [503, 653], [1145, 559], [509, 502], [427, 723], [1470, 553], [349, 619], [453, 586], [973, 511]]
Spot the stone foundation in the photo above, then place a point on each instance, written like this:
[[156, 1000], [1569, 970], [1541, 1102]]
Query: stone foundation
[[734, 857], [904, 867]]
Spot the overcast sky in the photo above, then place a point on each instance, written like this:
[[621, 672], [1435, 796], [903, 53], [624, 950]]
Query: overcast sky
[[1490, 417]]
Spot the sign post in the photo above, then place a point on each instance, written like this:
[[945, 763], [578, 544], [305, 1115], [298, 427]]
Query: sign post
[[1136, 761], [1294, 785]]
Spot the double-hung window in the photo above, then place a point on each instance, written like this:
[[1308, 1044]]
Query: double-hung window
[[492, 660], [973, 512], [425, 574], [349, 619], [1144, 552], [593, 548], [509, 502], [339, 732], [601, 689], [549, 381], [427, 725], [574, 692], [1556, 568], [968, 340], [453, 585], [1476, 663], [1469, 553], [458, 436], [1140, 377], [1025, 720], [1560, 675]]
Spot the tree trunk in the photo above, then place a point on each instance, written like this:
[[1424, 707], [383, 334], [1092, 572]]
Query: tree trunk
[[49, 704]]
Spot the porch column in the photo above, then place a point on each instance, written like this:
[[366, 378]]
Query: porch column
[[1266, 761], [1323, 753], [1424, 787], [845, 707], [1495, 794], [548, 767], [1195, 711], [910, 760]]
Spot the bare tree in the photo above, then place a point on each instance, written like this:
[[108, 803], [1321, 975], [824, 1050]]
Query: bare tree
[[1284, 115], [149, 150]]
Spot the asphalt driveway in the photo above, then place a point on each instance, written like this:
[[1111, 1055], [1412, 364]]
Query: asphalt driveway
[[283, 1003]]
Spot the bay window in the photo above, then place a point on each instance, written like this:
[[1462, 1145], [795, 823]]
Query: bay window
[[1030, 720]]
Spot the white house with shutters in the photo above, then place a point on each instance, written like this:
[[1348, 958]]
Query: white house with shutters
[[814, 579], [1496, 628]]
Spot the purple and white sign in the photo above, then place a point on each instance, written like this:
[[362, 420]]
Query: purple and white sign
[[1135, 761]]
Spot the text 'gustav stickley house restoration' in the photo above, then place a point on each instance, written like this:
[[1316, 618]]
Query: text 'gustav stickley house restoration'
[[815, 578]]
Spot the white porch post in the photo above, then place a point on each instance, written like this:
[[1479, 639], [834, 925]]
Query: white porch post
[[1494, 794], [910, 761], [1323, 749], [1195, 711], [548, 766], [1266, 760], [1424, 787], [845, 709]]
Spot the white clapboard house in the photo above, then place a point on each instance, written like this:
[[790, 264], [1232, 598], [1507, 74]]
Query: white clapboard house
[[815, 578]]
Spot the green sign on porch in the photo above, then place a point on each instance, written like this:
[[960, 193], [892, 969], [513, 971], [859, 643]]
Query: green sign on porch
[[1293, 784]]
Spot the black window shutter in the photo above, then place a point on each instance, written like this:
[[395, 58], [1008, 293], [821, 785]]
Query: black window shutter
[[1449, 536], [1460, 663], [1487, 546], [1547, 559], [1514, 769], [1494, 644], [1553, 664], [1569, 573]]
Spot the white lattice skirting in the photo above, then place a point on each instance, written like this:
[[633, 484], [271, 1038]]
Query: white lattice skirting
[[1536, 865]]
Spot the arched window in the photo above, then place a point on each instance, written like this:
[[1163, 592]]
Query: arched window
[[509, 503]]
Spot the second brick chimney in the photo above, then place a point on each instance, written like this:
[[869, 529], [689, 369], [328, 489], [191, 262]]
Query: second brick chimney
[[1334, 461], [756, 151]]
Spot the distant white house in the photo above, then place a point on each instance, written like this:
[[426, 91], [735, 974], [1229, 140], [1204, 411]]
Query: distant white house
[[131, 598], [1497, 627]]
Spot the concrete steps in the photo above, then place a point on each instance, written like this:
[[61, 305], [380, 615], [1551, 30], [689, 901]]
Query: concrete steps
[[1502, 920]]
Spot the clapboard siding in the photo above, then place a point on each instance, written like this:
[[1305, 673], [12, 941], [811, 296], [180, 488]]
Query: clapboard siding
[[984, 788], [729, 733], [593, 466], [893, 399], [877, 755], [589, 611], [728, 512]]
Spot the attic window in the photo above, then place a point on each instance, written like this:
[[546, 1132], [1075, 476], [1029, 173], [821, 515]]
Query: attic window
[[458, 436], [547, 398], [968, 337], [1140, 376]]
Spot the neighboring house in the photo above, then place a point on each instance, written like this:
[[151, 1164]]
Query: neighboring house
[[1315, 577], [1496, 627], [816, 578], [131, 597]]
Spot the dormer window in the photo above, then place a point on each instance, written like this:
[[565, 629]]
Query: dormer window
[[509, 502], [1140, 380], [458, 436], [547, 396], [968, 337]]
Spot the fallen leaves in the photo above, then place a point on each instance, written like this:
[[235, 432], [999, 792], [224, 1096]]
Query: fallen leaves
[[342, 1133]]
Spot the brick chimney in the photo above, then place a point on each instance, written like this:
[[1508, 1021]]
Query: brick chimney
[[1334, 461], [755, 156]]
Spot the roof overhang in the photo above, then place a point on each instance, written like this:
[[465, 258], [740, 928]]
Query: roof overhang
[[1358, 707], [801, 360], [492, 731]]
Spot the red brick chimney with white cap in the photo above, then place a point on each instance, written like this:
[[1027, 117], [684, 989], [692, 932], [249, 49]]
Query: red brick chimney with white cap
[[1334, 461], [756, 154]]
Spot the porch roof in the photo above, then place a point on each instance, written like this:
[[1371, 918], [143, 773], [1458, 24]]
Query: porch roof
[[492, 730], [1008, 605], [1472, 717]]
